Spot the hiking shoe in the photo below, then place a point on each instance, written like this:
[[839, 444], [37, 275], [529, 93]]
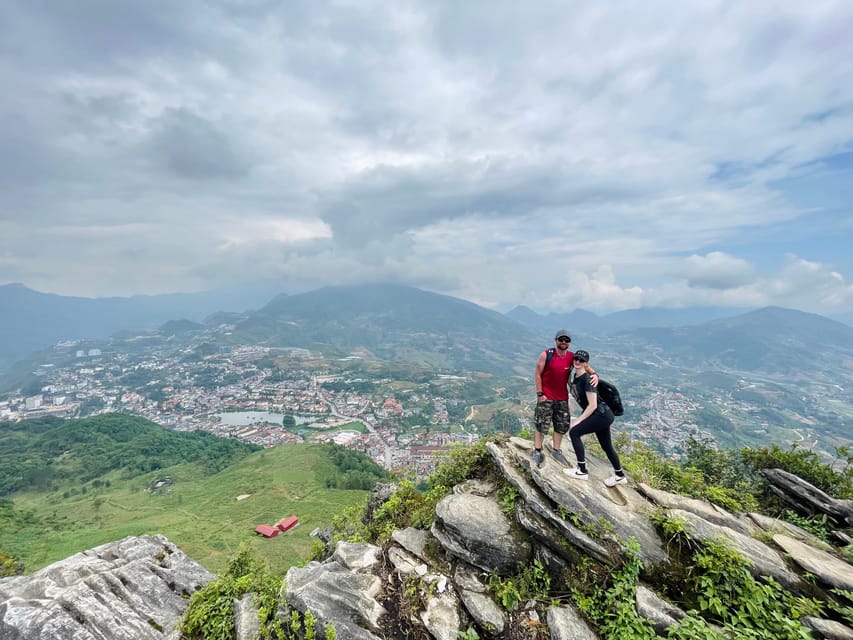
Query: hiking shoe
[[537, 457], [576, 473], [613, 480], [559, 457]]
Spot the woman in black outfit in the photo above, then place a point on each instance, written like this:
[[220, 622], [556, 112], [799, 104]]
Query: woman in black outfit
[[596, 418]]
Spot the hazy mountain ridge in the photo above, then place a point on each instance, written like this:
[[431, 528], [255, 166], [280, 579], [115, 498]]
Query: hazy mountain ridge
[[398, 322], [588, 322], [771, 339], [32, 320], [393, 322]]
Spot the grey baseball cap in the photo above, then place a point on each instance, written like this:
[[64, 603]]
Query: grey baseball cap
[[563, 332]]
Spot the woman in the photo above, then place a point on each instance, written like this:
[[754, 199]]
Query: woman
[[596, 418]]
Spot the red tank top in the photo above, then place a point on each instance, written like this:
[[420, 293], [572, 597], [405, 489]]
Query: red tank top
[[555, 376]]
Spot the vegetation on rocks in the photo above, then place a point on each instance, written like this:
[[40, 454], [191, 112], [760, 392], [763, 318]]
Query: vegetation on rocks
[[719, 593]]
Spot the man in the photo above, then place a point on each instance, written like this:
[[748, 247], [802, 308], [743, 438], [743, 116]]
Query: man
[[551, 378]]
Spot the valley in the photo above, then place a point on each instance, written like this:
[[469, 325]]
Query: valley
[[404, 415]]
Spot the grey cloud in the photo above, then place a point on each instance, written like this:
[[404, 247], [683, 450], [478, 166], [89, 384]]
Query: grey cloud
[[389, 201], [191, 147], [95, 33]]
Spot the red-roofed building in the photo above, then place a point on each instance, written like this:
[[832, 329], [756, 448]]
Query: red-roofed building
[[267, 531], [285, 524]]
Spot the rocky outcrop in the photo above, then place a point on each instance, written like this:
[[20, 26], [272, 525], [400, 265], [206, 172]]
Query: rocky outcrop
[[133, 589], [458, 578], [805, 497], [562, 523], [828, 569], [338, 593], [473, 528]]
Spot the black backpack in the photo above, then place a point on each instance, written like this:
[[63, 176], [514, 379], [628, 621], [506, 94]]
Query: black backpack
[[607, 393]]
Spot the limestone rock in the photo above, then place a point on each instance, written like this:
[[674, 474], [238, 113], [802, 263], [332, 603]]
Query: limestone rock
[[566, 623], [775, 525], [828, 629], [706, 510], [356, 556], [379, 496], [799, 494], [339, 595], [828, 569], [484, 610], [594, 505], [763, 560], [474, 595], [247, 623], [412, 540], [539, 518], [441, 617], [405, 563], [474, 529], [659, 612], [132, 589]]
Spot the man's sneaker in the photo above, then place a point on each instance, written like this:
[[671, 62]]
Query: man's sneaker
[[576, 473], [537, 457], [559, 457], [613, 480]]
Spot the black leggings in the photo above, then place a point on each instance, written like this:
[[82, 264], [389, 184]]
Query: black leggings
[[599, 425]]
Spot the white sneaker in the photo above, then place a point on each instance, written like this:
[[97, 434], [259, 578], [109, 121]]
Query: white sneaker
[[613, 480], [576, 473]]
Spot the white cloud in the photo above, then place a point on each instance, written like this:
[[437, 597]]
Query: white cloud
[[716, 270], [552, 156]]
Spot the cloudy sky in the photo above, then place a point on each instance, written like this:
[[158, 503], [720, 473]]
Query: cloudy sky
[[603, 155]]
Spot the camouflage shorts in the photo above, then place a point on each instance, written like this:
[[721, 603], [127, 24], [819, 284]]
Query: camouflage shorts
[[552, 412]]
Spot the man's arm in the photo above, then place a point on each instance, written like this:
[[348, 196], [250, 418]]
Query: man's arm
[[593, 376], [537, 377]]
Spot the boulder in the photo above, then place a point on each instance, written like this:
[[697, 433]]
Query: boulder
[[474, 529], [133, 589], [659, 612], [566, 623], [805, 497], [539, 518], [827, 568], [335, 593], [706, 510], [828, 629]]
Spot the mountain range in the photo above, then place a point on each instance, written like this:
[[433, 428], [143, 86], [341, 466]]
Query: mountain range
[[392, 322], [32, 320], [397, 322]]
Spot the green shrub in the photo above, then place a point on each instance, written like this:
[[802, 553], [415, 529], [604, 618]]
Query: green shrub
[[613, 608], [533, 582], [210, 614], [803, 463], [721, 588]]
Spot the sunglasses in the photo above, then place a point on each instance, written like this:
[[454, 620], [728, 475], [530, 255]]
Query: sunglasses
[[564, 339]]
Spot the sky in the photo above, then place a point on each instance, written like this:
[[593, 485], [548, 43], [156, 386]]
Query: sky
[[595, 155]]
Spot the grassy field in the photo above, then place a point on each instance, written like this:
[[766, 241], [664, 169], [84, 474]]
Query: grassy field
[[201, 514]]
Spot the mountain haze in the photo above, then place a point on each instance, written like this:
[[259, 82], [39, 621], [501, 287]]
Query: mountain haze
[[587, 322], [31, 320], [772, 339]]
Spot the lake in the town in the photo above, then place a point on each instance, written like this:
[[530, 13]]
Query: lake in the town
[[239, 418]]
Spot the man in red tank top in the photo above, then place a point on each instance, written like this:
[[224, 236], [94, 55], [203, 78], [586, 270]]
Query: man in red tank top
[[552, 396]]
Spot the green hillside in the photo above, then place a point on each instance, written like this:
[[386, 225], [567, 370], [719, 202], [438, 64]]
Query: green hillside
[[199, 510]]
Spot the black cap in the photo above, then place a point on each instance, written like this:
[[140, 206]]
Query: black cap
[[563, 332], [581, 355]]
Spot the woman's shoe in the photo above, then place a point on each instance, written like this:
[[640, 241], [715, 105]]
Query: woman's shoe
[[613, 480], [576, 473]]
